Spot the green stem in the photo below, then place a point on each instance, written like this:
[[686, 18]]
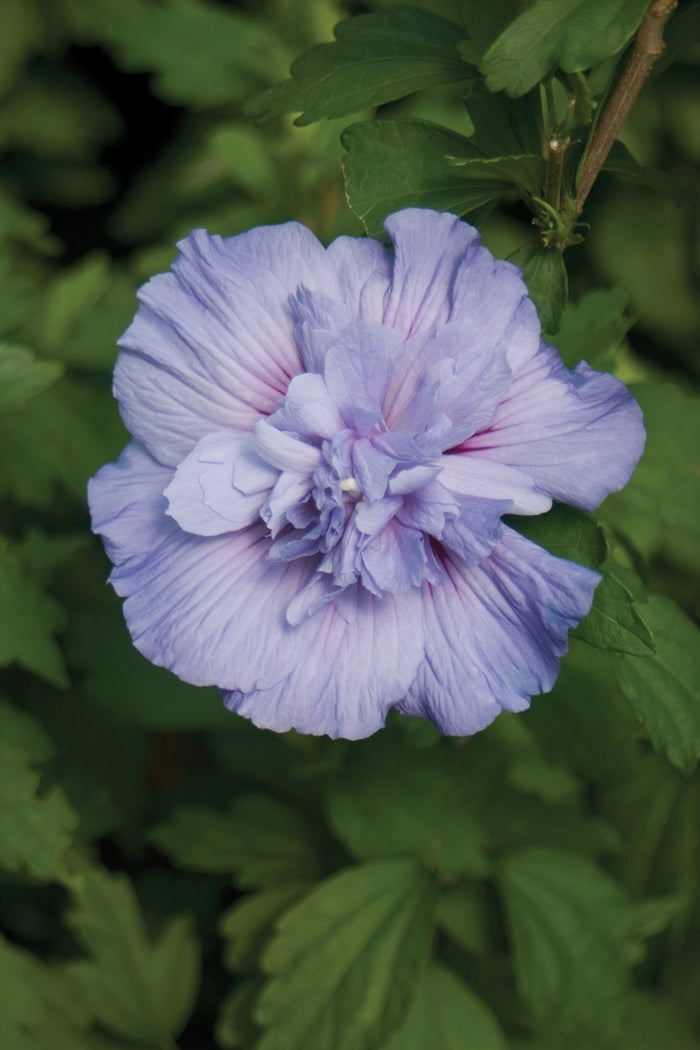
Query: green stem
[[556, 151]]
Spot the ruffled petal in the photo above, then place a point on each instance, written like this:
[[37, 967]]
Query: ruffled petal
[[308, 409], [363, 269], [212, 346], [204, 498], [489, 298], [428, 248], [469, 381], [393, 560], [470, 473], [578, 435], [358, 369], [127, 503], [494, 633], [348, 672]]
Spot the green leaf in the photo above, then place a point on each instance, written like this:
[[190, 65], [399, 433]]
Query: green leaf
[[244, 155], [621, 162], [654, 915], [592, 329], [23, 29], [58, 439], [202, 55], [56, 115], [261, 840], [234, 1024], [659, 509], [664, 690], [654, 1020], [73, 292], [585, 707], [571, 34], [22, 224], [681, 33], [85, 310], [247, 925], [447, 1014], [22, 376], [504, 127], [28, 620], [614, 621], [485, 22], [544, 272], [383, 804], [463, 913], [41, 1008], [399, 164], [35, 829], [569, 926], [140, 988], [376, 58], [346, 961]]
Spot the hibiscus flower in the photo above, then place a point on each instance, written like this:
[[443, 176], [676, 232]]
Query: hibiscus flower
[[325, 441]]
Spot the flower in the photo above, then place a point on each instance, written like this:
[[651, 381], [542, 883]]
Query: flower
[[325, 441]]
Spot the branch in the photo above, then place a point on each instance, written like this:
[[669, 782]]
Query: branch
[[648, 47]]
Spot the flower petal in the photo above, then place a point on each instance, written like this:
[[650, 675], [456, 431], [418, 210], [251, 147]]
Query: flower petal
[[284, 451], [127, 502], [358, 368], [469, 473], [489, 296], [363, 269], [346, 675], [428, 247], [494, 633], [578, 435], [203, 497], [470, 380], [211, 609], [308, 409], [212, 345]]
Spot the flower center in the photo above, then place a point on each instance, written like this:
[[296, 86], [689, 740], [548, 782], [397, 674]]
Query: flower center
[[350, 486]]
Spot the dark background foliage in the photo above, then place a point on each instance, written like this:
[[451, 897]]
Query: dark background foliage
[[171, 876]]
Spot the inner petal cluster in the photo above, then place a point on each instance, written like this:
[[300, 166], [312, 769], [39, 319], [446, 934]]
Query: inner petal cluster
[[340, 475]]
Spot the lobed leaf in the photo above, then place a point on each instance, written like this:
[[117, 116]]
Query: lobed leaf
[[380, 805], [592, 329], [35, 829], [446, 1013], [29, 619], [22, 376], [57, 440], [247, 925], [659, 509], [399, 164], [664, 690], [41, 1007], [262, 840], [346, 961], [139, 988], [571, 34], [201, 54], [376, 58], [569, 926]]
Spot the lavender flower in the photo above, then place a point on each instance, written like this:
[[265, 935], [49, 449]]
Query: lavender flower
[[325, 441]]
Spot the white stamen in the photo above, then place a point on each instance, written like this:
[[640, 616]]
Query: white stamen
[[350, 485]]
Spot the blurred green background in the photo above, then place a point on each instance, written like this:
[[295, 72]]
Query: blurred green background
[[121, 129]]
